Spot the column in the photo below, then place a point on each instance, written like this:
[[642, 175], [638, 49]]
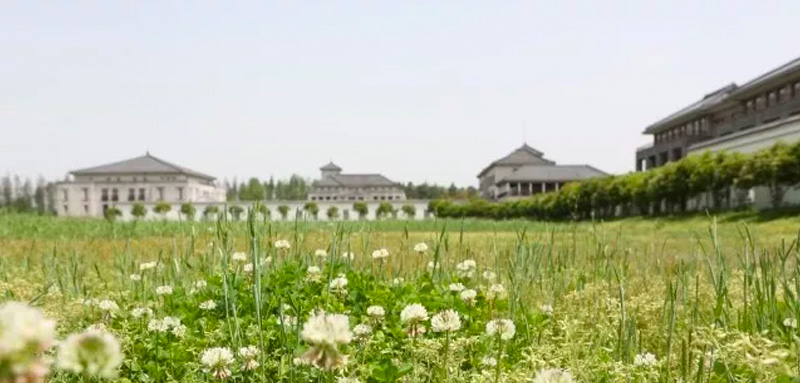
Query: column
[[544, 188]]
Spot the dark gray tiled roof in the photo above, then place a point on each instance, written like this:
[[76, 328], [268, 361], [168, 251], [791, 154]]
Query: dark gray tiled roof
[[693, 110], [524, 155], [545, 173], [146, 164], [355, 180], [331, 166], [785, 69]]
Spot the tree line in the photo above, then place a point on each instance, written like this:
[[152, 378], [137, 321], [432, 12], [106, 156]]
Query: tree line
[[23, 196], [708, 181]]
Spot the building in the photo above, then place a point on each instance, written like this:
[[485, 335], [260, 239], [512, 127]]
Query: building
[[333, 185], [738, 118], [525, 172], [146, 180]]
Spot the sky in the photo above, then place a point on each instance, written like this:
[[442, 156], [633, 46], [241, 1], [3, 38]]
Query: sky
[[421, 91]]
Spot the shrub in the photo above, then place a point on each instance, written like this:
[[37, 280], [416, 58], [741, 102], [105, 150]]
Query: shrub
[[138, 210], [361, 208], [312, 209], [283, 210], [409, 210], [188, 210], [111, 213], [332, 212], [236, 212]]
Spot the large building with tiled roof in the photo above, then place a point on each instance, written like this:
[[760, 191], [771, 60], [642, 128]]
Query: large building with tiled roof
[[525, 172], [334, 185], [146, 179]]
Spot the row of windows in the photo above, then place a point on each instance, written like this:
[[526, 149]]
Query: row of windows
[[358, 189], [134, 194], [773, 97], [352, 198], [698, 127]]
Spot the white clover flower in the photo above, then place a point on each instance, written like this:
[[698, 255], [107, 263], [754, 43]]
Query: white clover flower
[[468, 296], [553, 376], [314, 274], [489, 275], [135, 277], [790, 322], [376, 311], [489, 361], [397, 281], [466, 269], [90, 353], [239, 257], [349, 256], [172, 321], [108, 306], [217, 361], [179, 330], [282, 244], [24, 333], [321, 253], [147, 266], [380, 254], [496, 292], [414, 315], [139, 312], [248, 268], [287, 321], [325, 332], [344, 379], [421, 247], [208, 305], [164, 290], [339, 284], [156, 325], [457, 287], [645, 360], [503, 327], [446, 321], [249, 355], [200, 284], [546, 309], [362, 332]]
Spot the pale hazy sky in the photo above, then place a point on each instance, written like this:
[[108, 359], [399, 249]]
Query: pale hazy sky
[[417, 90]]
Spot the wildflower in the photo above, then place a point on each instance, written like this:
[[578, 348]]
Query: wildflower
[[239, 257], [433, 265], [200, 284], [147, 266], [348, 256], [208, 305], [380, 254], [414, 315], [179, 330], [362, 332], [397, 281], [468, 296], [546, 309], [376, 311], [314, 274], [644, 360], [496, 292], [249, 355], [164, 290], [135, 277], [321, 253], [339, 284], [446, 321], [344, 379], [457, 287], [24, 334], [790, 322], [489, 361], [421, 247], [502, 327], [156, 325], [466, 269], [287, 320], [172, 321], [217, 360], [325, 332], [248, 268], [91, 353], [282, 244], [108, 306], [553, 375], [489, 275], [141, 312]]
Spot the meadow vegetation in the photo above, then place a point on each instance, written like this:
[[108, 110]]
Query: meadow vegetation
[[692, 299]]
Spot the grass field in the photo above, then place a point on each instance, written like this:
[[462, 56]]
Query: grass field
[[692, 299]]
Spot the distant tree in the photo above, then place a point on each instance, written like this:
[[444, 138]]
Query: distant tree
[[111, 213], [270, 189], [252, 191], [332, 213], [162, 208], [40, 195], [188, 210], [409, 210], [236, 211], [210, 210], [383, 210], [312, 209], [361, 208], [138, 210], [265, 212], [284, 211], [8, 190]]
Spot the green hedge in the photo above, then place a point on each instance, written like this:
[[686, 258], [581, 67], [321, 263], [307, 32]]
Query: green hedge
[[712, 180]]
